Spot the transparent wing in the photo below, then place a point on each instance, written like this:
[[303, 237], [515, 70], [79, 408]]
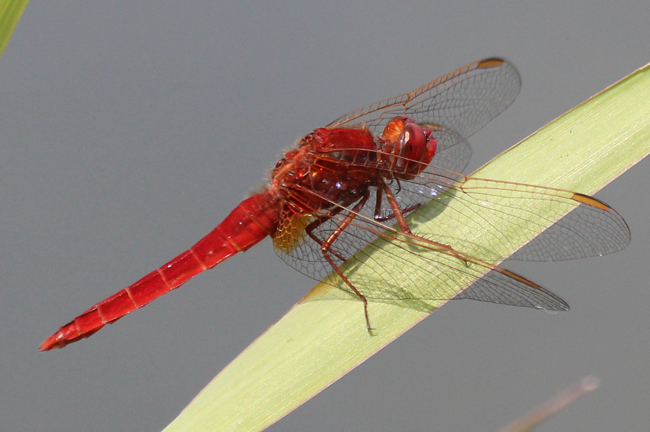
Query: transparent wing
[[455, 106], [463, 101], [452, 151], [591, 228]]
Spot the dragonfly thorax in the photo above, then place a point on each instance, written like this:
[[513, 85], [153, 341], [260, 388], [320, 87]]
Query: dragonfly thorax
[[330, 167]]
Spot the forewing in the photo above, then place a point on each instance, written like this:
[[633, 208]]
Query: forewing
[[591, 228], [580, 226], [463, 101], [572, 225]]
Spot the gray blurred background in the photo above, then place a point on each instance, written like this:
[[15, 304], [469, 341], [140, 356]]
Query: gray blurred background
[[130, 129]]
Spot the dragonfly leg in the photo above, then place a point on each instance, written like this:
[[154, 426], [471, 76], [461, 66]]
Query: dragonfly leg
[[398, 213], [318, 222], [379, 218], [349, 284], [325, 247]]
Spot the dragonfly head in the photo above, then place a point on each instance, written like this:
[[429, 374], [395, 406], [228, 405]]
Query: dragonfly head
[[410, 146]]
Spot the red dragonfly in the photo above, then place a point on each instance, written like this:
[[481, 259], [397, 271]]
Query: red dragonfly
[[348, 184]]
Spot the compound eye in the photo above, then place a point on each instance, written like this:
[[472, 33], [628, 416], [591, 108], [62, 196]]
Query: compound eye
[[412, 142]]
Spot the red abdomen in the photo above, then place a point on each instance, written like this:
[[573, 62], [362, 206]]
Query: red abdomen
[[248, 224]]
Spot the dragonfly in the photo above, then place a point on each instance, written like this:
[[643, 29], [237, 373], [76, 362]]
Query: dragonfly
[[343, 187]]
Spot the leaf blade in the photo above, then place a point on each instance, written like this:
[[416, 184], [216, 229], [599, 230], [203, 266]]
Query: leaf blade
[[324, 336]]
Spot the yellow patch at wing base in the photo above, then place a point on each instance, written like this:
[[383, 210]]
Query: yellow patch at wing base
[[291, 231]]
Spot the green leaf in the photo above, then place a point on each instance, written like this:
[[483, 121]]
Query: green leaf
[[10, 12], [324, 336]]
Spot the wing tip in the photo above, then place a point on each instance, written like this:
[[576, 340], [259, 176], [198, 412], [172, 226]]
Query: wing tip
[[490, 63]]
